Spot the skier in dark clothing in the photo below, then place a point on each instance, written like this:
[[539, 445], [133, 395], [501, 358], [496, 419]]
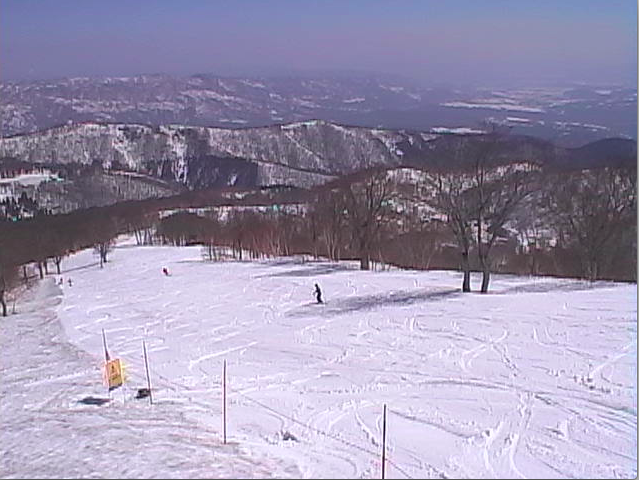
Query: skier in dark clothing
[[318, 294]]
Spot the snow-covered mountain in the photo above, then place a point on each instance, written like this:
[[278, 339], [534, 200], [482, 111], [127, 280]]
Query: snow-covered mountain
[[567, 115], [300, 154], [203, 100]]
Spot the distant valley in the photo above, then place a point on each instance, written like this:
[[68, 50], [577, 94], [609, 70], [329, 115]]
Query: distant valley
[[569, 116]]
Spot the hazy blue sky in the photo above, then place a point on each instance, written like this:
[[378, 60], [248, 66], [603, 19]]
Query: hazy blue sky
[[431, 41]]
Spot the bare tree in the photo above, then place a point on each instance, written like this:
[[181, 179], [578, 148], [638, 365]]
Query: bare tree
[[8, 266], [327, 222], [499, 190], [57, 260], [102, 249], [3, 289], [479, 196], [312, 221], [453, 197], [210, 235], [591, 208], [368, 207]]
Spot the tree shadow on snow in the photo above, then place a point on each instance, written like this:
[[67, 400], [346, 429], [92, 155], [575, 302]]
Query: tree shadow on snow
[[342, 306], [312, 271], [94, 401], [555, 286]]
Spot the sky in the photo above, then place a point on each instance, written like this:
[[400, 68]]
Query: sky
[[593, 41]]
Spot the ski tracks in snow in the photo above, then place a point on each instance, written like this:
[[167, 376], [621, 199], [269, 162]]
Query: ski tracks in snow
[[461, 374]]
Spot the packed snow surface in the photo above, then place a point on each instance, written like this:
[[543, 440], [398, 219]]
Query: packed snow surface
[[536, 379]]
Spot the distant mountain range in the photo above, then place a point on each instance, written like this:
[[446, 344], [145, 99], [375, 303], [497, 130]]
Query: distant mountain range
[[566, 116], [299, 154]]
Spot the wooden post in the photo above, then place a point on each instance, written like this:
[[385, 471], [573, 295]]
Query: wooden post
[[384, 444], [224, 400], [148, 376]]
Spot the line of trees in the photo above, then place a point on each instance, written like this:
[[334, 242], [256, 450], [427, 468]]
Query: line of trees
[[483, 216], [45, 239]]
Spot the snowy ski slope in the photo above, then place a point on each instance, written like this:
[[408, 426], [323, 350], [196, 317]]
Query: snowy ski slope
[[537, 379]]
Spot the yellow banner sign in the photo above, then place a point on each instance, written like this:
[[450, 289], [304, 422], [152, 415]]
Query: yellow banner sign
[[114, 373]]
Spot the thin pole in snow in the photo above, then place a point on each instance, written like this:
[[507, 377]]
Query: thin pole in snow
[[384, 444], [148, 376], [224, 399], [106, 352], [106, 359]]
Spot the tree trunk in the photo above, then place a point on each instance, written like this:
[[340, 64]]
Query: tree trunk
[[4, 305], [466, 269], [595, 270], [24, 273], [485, 268], [46, 267], [103, 251], [364, 255], [57, 261], [485, 280], [40, 270]]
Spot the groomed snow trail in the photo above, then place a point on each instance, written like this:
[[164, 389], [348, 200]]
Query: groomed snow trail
[[47, 432], [536, 379]]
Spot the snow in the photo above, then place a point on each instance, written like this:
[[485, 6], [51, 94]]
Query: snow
[[427, 137], [590, 126], [295, 125], [392, 88], [304, 102], [227, 100], [121, 144], [30, 179], [494, 106], [518, 119], [389, 139], [233, 120], [354, 100], [177, 145], [249, 83], [536, 379], [595, 127], [457, 130]]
